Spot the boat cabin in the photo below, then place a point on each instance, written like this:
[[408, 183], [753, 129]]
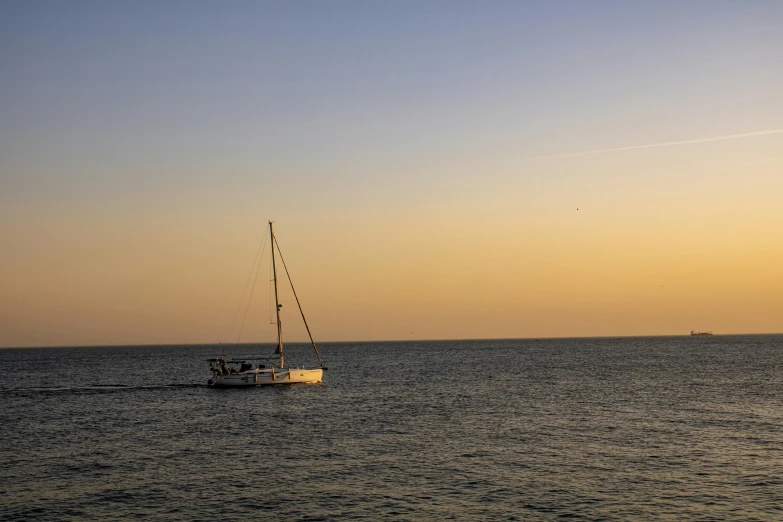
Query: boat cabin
[[224, 367]]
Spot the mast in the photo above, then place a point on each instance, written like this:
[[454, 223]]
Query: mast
[[279, 350]]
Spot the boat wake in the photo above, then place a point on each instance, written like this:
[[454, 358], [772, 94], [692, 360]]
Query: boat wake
[[98, 388]]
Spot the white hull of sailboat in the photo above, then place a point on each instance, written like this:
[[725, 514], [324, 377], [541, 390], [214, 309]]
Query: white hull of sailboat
[[262, 377]]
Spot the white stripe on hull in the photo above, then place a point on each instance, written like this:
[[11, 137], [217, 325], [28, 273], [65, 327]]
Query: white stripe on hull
[[265, 376]]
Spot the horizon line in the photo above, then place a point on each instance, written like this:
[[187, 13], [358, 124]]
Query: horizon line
[[272, 343]]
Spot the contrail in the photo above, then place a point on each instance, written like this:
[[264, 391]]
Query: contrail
[[652, 145]]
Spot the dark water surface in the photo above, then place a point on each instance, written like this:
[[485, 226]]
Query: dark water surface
[[611, 429]]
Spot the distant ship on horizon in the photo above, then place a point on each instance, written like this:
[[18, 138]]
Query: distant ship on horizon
[[700, 333]]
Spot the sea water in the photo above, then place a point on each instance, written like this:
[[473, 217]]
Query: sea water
[[667, 428]]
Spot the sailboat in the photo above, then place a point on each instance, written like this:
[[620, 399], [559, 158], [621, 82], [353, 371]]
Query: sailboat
[[232, 372]]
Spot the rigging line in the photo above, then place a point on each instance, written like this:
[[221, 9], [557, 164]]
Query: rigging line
[[252, 289], [297, 302], [244, 291]]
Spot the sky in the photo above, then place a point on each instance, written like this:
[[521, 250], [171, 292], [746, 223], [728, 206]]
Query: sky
[[435, 170]]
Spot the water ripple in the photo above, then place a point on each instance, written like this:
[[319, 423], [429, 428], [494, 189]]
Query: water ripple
[[593, 429]]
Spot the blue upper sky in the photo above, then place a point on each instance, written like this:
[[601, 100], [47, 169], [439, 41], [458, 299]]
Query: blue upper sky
[[382, 80]]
